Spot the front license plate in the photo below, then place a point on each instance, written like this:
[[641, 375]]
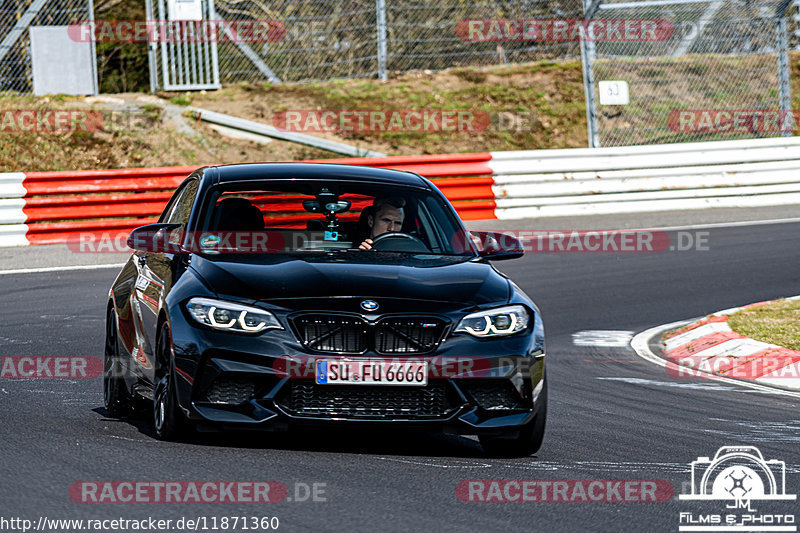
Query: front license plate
[[371, 372]]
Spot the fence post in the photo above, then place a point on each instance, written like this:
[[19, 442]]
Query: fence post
[[795, 9], [90, 8], [151, 49], [380, 8], [784, 84], [588, 53], [587, 58]]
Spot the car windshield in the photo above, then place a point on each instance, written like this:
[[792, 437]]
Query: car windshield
[[301, 217]]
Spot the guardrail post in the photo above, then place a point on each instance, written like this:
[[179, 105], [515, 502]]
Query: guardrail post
[[380, 8], [784, 85]]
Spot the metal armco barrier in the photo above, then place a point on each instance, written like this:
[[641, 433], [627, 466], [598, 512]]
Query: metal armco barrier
[[592, 181], [51, 207], [54, 207]]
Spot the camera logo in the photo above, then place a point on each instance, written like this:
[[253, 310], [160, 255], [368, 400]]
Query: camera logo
[[738, 473]]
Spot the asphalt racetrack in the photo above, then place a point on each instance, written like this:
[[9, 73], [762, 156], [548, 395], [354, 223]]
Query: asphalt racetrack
[[612, 415]]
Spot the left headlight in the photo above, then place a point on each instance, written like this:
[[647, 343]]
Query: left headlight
[[231, 316], [498, 322]]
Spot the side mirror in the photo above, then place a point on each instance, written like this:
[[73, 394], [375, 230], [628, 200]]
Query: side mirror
[[154, 238], [497, 246]]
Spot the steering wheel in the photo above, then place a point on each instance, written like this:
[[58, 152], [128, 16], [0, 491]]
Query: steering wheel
[[398, 242]]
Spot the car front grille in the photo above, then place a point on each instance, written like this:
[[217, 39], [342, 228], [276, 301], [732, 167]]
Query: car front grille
[[306, 398], [333, 333], [350, 334], [407, 335]]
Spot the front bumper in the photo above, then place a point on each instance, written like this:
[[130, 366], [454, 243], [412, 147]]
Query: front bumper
[[229, 381]]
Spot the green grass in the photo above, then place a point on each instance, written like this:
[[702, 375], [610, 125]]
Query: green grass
[[776, 323], [181, 100], [153, 112]]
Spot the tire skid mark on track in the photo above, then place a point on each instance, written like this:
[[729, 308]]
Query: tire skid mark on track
[[753, 437], [552, 466], [132, 440], [603, 466], [435, 465], [9, 340], [616, 466], [611, 361], [693, 386], [761, 431]]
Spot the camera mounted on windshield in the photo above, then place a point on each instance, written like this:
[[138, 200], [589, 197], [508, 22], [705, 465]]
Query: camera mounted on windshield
[[328, 202]]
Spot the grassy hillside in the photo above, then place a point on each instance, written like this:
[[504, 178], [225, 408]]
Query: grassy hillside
[[546, 98]]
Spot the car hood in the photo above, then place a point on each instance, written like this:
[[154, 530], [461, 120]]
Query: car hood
[[453, 279]]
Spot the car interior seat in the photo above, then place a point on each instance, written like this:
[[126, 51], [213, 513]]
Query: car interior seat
[[238, 214]]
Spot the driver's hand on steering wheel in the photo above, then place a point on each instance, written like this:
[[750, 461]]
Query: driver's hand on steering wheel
[[366, 245]]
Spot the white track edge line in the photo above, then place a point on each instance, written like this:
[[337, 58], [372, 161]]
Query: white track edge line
[[728, 224], [59, 269]]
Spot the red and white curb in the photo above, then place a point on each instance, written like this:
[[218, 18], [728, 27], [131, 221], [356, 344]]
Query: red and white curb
[[708, 348]]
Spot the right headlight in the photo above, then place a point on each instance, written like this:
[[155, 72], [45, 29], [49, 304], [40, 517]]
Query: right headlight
[[498, 322], [231, 316]]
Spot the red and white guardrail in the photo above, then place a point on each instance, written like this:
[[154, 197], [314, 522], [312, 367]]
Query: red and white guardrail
[[49, 207], [53, 207]]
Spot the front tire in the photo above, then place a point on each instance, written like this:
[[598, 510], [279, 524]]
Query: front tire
[[116, 397], [168, 420], [530, 437]]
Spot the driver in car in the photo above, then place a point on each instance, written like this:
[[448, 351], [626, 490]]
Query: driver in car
[[386, 216]]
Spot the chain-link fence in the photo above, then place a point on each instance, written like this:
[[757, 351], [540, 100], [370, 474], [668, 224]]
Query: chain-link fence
[[721, 71], [327, 39], [794, 13], [16, 17], [719, 56]]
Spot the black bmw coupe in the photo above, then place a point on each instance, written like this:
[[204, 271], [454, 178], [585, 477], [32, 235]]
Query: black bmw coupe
[[280, 294]]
